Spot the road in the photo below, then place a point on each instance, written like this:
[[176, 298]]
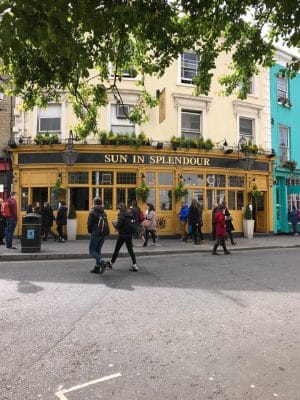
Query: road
[[195, 327]]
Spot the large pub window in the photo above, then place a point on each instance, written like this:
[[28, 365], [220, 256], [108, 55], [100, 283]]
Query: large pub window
[[165, 193], [100, 181], [79, 196], [126, 194], [194, 184], [150, 179]]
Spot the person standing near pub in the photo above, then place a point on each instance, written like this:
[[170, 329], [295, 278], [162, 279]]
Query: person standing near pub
[[220, 230], [11, 220]]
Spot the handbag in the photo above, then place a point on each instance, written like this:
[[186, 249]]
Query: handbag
[[229, 218], [146, 223]]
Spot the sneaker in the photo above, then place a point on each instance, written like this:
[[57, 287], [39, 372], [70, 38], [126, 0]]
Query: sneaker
[[214, 253], [109, 265], [134, 268], [227, 252]]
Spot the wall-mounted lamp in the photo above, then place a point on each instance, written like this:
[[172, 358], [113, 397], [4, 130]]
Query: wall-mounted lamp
[[158, 92], [70, 155], [159, 145], [180, 177], [272, 154], [247, 161]]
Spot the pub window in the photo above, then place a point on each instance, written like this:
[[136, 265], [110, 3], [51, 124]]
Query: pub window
[[165, 200], [79, 197], [165, 178], [214, 197], [195, 194], [150, 178], [102, 178], [106, 194], [78, 178], [125, 195], [126, 178], [236, 181], [151, 197], [235, 199], [215, 180], [24, 199], [193, 179]]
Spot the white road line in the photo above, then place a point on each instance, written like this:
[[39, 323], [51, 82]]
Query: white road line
[[61, 394]]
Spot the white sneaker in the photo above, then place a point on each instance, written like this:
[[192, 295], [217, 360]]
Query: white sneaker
[[134, 268]]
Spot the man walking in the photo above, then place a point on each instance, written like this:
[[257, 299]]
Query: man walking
[[98, 228], [11, 220], [47, 221]]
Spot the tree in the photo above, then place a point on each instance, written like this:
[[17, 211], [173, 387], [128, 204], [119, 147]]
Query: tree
[[52, 46]]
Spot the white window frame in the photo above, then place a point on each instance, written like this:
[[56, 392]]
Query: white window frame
[[282, 158], [181, 79], [282, 88], [192, 132], [53, 111], [245, 134], [248, 110]]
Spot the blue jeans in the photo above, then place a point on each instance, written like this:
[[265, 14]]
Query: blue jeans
[[95, 246], [10, 228]]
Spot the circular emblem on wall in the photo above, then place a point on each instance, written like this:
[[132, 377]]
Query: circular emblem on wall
[[161, 223]]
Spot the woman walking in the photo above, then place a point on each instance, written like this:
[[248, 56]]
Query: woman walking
[[220, 231], [149, 224]]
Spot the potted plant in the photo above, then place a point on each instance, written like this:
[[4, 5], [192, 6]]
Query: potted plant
[[58, 191], [248, 222], [72, 223], [291, 165], [180, 191], [175, 142], [142, 192]]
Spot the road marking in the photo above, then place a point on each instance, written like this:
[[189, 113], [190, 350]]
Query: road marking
[[61, 393]]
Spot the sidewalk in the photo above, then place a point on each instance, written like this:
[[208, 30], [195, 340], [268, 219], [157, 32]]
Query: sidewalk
[[78, 249]]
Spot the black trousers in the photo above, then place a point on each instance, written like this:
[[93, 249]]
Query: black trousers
[[127, 239], [150, 232], [220, 242]]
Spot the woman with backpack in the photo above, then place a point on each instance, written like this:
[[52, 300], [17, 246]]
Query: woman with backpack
[[125, 226]]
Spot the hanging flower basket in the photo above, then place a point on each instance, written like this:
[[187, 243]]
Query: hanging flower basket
[[142, 192], [180, 191]]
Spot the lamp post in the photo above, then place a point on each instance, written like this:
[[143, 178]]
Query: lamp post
[[70, 155], [247, 161]]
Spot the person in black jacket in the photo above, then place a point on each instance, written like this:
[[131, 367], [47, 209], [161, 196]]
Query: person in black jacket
[[125, 235], [47, 221], [194, 220], [97, 237], [61, 220], [229, 224]]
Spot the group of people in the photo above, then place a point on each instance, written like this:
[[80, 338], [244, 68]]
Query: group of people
[[131, 221]]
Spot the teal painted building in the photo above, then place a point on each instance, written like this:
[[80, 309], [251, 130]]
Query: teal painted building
[[285, 137]]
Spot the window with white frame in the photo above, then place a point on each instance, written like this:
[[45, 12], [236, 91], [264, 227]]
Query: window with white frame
[[189, 66], [246, 128], [251, 88], [191, 124], [49, 119], [119, 119], [282, 88], [283, 143]]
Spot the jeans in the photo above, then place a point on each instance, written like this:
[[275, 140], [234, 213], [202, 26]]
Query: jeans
[[10, 228], [120, 241], [95, 246]]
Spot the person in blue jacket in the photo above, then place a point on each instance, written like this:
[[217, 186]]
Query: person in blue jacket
[[183, 218]]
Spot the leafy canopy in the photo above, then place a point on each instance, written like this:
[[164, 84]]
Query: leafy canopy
[[51, 46]]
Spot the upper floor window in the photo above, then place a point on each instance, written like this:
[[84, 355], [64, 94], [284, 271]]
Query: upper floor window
[[251, 86], [283, 144], [49, 119], [119, 119], [189, 66], [282, 88], [191, 124], [246, 128]]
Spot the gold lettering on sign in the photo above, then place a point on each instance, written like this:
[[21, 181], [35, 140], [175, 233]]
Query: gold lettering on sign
[[138, 159], [152, 159], [107, 158]]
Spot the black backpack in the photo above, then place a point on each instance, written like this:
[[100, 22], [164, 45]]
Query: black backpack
[[102, 226], [130, 226]]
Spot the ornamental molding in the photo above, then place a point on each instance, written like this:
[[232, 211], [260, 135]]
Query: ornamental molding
[[201, 103]]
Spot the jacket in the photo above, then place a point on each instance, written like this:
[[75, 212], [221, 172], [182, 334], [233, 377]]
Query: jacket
[[193, 216], [93, 218], [150, 215], [294, 216], [61, 218], [121, 225], [220, 224], [183, 214], [12, 204], [47, 216]]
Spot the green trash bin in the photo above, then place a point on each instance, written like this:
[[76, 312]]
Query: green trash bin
[[31, 233]]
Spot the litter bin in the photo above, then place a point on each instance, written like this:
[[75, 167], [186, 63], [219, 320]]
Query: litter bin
[[31, 233]]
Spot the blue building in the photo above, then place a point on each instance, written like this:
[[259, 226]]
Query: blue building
[[285, 136]]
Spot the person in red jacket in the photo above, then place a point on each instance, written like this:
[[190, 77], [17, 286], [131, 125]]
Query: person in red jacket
[[11, 221], [221, 233]]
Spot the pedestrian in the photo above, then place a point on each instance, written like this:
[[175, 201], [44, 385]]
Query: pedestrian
[[138, 217], [11, 220], [200, 224], [294, 219], [2, 223], [47, 217], [30, 209], [149, 224], [229, 224], [124, 227], [98, 228], [61, 220], [213, 223], [220, 230], [194, 220], [183, 218]]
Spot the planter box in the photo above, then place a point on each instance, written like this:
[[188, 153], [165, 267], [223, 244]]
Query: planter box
[[248, 228], [72, 229]]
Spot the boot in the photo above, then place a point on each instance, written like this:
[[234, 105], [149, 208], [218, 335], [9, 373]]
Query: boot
[[96, 270], [214, 252]]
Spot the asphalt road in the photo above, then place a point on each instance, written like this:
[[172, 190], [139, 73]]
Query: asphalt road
[[195, 327]]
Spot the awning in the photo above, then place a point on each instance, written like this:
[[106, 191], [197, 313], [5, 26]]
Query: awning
[[294, 189], [5, 166]]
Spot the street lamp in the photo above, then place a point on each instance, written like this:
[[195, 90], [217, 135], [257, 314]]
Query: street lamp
[[247, 161], [70, 155]]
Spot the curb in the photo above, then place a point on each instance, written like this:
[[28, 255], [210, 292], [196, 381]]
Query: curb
[[148, 253]]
